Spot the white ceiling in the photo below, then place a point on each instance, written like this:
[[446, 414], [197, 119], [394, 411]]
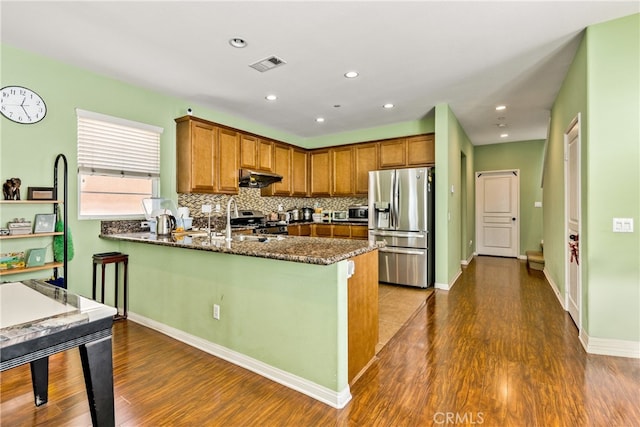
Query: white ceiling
[[472, 55]]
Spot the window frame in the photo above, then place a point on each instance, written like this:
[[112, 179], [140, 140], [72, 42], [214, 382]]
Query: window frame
[[152, 174]]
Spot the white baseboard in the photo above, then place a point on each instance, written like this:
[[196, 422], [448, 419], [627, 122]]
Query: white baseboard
[[554, 288], [466, 262], [603, 346], [448, 286], [336, 399], [610, 347]]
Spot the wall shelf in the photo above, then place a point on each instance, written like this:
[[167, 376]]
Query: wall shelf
[[46, 266], [26, 236]]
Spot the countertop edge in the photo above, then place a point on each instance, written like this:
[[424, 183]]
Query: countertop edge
[[257, 249]]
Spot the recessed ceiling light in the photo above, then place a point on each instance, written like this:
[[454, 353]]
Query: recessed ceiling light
[[351, 74], [237, 42], [501, 125], [501, 107], [504, 135], [388, 105], [320, 119], [271, 97]]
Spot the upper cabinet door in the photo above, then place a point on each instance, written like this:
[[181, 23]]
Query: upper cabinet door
[[195, 155], [265, 155], [248, 151], [393, 153], [421, 150], [320, 166], [342, 171], [366, 159], [228, 160], [281, 166], [299, 172]]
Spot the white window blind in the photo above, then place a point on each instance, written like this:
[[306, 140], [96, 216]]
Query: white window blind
[[113, 146]]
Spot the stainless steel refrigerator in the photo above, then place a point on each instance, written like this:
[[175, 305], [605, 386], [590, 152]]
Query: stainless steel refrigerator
[[401, 213]]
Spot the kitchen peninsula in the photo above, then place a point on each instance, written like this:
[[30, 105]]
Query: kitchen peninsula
[[290, 309]]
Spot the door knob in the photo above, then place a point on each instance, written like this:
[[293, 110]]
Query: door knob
[[573, 237], [513, 219]]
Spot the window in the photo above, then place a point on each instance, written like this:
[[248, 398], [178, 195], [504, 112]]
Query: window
[[118, 166]]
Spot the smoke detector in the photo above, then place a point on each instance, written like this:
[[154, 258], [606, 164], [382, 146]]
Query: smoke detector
[[267, 64]]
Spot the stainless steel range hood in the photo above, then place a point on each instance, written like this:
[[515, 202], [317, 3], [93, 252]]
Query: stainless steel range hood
[[255, 179]]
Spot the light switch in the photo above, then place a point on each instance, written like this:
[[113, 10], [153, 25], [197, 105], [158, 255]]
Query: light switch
[[623, 225], [537, 204]]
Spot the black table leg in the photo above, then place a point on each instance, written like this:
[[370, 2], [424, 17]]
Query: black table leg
[[40, 380], [97, 364]]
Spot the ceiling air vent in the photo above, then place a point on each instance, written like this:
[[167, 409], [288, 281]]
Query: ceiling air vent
[[268, 63]]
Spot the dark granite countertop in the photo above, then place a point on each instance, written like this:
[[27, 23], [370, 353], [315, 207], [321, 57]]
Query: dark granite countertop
[[309, 250]]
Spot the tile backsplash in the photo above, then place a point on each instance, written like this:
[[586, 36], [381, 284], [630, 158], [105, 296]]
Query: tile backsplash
[[250, 199]]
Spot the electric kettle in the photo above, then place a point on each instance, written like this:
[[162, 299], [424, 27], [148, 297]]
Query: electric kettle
[[165, 223]]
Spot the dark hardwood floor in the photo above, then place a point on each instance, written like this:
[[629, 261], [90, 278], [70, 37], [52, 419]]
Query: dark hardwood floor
[[496, 350]]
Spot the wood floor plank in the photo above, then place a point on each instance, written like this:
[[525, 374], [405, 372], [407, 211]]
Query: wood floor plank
[[496, 350]]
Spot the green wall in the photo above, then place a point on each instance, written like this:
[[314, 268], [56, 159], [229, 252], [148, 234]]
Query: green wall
[[603, 85], [292, 316], [526, 156], [452, 145]]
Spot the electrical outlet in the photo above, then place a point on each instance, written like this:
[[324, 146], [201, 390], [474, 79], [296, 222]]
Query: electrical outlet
[[470, 243], [216, 311], [206, 208], [218, 208]]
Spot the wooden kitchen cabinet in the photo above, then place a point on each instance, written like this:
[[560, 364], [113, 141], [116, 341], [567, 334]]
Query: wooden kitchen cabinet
[[299, 173], [418, 150], [320, 170], [196, 143], [228, 158], [341, 231], [342, 171], [207, 157], [363, 316], [365, 160], [248, 151], [392, 153], [282, 158], [299, 229], [265, 155], [255, 153], [322, 230], [421, 150], [359, 232]]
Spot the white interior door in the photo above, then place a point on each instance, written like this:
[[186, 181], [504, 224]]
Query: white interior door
[[573, 296], [497, 213]]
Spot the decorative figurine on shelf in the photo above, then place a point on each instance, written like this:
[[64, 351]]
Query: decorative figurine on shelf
[[11, 189]]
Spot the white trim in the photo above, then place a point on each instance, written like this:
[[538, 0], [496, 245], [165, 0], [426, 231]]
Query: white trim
[[610, 347], [448, 286], [118, 121], [575, 122], [467, 261], [335, 399], [554, 288]]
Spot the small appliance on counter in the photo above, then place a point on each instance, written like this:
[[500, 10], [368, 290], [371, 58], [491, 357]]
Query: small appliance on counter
[[340, 215], [358, 213]]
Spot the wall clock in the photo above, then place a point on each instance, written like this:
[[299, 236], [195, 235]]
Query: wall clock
[[21, 105]]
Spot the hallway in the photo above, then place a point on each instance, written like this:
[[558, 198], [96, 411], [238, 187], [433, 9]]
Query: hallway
[[496, 350]]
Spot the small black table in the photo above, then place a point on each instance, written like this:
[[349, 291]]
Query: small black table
[[38, 320]]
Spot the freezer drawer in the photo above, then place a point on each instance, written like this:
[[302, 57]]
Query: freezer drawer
[[403, 266], [408, 239]]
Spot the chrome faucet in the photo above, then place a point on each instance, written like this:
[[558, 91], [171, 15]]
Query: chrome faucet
[[235, 212]]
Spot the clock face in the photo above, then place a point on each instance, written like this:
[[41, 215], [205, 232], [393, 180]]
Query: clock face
[[21, 105]]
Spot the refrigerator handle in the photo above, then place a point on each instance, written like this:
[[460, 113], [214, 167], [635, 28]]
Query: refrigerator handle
[[396, 200]]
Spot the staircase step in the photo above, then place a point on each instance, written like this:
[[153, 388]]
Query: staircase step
[[535, 260]]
